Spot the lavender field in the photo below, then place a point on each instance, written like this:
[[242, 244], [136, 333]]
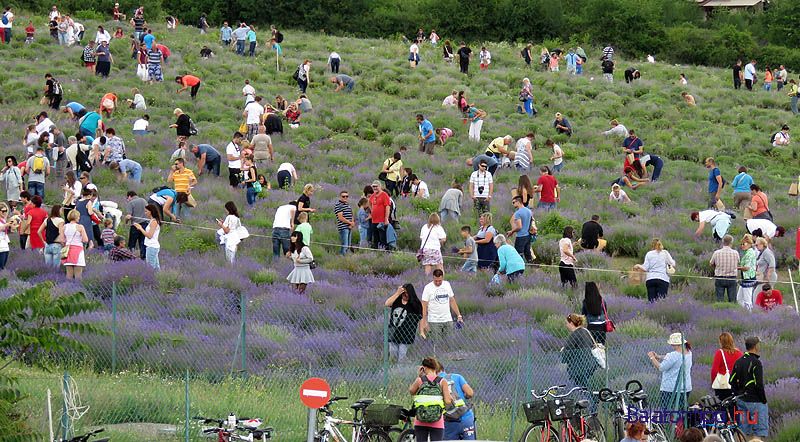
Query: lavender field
[[190, 316]]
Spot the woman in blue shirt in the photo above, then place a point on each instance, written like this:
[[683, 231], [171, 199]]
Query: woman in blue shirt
[[674, 392], [741, 189], [511, 262]]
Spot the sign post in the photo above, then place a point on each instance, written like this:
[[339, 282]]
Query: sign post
[[314, 393]]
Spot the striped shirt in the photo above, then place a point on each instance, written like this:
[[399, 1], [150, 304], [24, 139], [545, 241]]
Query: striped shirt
[[108, 235], [347, 213], [182, 179], [154, 57], [522, 159]]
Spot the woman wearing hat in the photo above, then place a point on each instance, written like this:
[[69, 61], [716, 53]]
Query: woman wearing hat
[[674, 390]]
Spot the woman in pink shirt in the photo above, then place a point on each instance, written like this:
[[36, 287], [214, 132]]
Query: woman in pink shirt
[[429, 372]]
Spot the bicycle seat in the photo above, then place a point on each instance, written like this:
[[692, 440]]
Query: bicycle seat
[[362, 403], [639, 395], [583, 403]]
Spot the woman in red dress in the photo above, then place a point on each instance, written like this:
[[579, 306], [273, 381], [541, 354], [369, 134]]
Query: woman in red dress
[[36, 216]]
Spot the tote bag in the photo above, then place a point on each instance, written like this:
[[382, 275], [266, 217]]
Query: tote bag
[[722, 381]]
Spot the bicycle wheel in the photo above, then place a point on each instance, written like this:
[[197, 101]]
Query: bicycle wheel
[[658, 433], [619, 428], [539, 433], [376, 435], [594, 429], [407, 435], [323, 436], [732, 435]]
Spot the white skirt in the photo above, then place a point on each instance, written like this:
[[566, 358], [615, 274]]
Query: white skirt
[[301, 274]]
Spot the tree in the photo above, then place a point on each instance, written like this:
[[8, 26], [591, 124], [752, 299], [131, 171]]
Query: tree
[[34, 322]]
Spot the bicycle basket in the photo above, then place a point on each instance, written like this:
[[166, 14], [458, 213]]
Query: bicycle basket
[[561, 409], [382, 415], [710, 401], [535, 411]]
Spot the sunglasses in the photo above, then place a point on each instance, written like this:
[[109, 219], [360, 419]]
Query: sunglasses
[[345, 196]]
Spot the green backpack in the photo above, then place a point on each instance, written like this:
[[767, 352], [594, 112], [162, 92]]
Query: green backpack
[[429, 401]]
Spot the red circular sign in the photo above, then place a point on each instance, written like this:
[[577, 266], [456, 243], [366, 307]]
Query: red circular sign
[[315, 392]]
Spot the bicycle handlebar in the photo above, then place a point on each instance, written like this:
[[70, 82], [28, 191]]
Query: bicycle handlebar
[[550, 391]]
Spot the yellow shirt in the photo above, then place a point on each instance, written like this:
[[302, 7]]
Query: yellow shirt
[[394, 169], [496, 145], [182, 180]]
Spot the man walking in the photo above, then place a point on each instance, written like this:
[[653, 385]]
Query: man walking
[[438, 300], [715, 184], [725, 261], [747, 379], [344, 220], [464, 54], [38, 170], [521, 226], [427, 136], [481, 188], [737, 75], [254, 115]]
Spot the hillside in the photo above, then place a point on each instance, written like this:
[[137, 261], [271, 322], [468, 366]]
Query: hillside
[[187, 317]]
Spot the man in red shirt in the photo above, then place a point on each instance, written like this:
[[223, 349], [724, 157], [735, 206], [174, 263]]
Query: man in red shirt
[[768, 298], [380, 203], [188, 81], [548, 190]]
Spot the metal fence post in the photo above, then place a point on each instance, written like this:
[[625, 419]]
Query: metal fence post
[[529, 359], [386, 316], [66, 431], [243, 308], [186, 399], [515, 400], [113, 327]]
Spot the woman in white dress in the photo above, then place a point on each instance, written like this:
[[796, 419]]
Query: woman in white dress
[[73, 235], [231, 232], [302, 258]]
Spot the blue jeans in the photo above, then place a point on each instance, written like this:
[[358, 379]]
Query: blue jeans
[[36, 189], [522, 244], [344, 240], [470, 266], [251, 196], [252, 49], [363, 235], [545, 206], [558, 167], [151, 256], [528, 106], [463, 430], [141, 132], [52, 255], [280, 238], [3, 259], [767, 86], [722, 284], [753, 418], [447, 213], [135, 174], [213, 166], [794, 105], [182, 211], [240, 47]]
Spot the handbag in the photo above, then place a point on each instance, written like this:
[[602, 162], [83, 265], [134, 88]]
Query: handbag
[[313, 264], [598, 352], [722, 381], [719, 205], [243, 128], [383, 175], [65, 250], [610, 326], [420, 253], [793, 189], [190, 201], [748, 214], [670, 270]]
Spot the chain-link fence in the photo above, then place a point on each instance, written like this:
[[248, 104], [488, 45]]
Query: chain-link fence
[[168, 357]]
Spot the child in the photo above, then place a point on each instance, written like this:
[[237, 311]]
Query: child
[[486, 58], [363, 221], [469, 251], [558, 155], [443, 134], [29, 31], [265, 186], [304, 227], [579, 66], [554, 58], [405, 183], [108, 234]]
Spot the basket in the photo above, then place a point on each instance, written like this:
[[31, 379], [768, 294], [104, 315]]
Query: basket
[[561, 409], [382, 415], [535, 411]]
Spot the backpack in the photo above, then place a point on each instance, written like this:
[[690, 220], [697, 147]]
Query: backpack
[[192, 127], [296, 75], [56, 90], [38, 164], [772, 138], [427, 410], [82, 161], [5, 19], [278, 37], [159, 189]]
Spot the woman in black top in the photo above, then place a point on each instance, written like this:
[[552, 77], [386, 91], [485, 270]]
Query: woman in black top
[[52, 248], [594, 310], [304, 203], [406, 311], [447, 51], [525, 189], [182, 125]]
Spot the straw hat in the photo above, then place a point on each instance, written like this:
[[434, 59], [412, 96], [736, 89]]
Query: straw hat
[[676, 339]]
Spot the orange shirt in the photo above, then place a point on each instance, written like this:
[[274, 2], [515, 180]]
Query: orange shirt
[[767, 77], [190, 80], [762, 203]]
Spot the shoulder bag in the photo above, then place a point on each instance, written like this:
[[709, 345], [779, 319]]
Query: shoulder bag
[[610, 326], [460, 407], [420, 252], [722, 381], [383, 175], [65, 248], [598, 351]]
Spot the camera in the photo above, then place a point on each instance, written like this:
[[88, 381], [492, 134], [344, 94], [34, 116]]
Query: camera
[[480, 189]]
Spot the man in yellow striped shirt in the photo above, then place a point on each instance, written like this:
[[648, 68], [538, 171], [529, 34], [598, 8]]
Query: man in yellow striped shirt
[[183, 180]]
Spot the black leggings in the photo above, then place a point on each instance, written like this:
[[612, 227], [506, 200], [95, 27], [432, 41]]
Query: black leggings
[[194, 90], [422, 434], [567, 273]]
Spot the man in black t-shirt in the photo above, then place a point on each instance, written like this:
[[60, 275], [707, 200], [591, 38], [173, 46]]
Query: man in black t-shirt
[[592, 235], [737, 74], [53, 92], [464, 53]]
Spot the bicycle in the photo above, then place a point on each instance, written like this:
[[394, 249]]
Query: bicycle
[[622, 401], [226, 433], [405, 432], [574, 419], [361, 433], [85, 437], [728, 429]]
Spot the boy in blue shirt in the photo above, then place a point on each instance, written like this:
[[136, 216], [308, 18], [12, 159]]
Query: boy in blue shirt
[[464, 427]]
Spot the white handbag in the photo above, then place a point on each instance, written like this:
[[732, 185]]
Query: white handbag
[[722, 381], [598, 351]]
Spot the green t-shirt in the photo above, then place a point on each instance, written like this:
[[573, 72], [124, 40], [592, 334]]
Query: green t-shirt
[[306, 230]]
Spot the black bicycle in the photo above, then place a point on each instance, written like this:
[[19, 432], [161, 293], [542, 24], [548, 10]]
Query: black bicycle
[[622, 400], [726, 428], [85, 437]]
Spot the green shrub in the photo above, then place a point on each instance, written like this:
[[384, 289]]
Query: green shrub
[[641, 328], [635, 291], [553, 223], [627, 242]]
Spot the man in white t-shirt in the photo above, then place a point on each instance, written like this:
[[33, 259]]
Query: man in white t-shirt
[[140, 126], [768, 228], [253, 114], [720, 222], [287, 174], [437, 301], [282, 227], [481, 188], [419, 189], [750, 75], [43, 123], [617, 130], [5, 29], [249, 92], [234, 154]]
